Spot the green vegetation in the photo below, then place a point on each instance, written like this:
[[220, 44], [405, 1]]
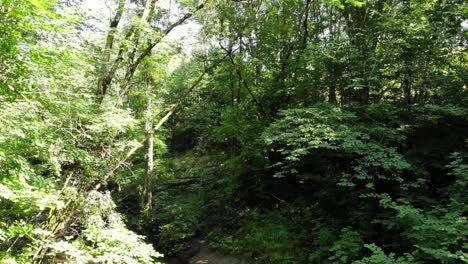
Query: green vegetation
[[295, 132]]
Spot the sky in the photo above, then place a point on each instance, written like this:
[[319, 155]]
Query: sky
[[185, 35]]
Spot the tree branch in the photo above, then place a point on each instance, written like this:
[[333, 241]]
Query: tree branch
[[244, 82], [147, 51], [163, 120]]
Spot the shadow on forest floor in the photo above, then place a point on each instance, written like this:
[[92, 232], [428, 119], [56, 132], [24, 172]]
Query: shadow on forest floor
[[200, 253]]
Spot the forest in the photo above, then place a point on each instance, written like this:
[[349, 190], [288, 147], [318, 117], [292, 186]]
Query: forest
[[276, 132]]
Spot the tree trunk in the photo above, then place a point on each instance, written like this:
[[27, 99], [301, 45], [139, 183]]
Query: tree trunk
[[105, 79], [365, 91], [149, 133], [233, 95], [332, 92], [305, 23], [407, 87], [407, 90], [149, 47], [108, 73]]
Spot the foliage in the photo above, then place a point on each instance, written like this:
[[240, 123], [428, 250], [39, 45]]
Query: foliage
[[446, 221], [298, 132], [379, 257], [268, 236], [177, 219], [104, 230], [325, 127], [348, 247], [54, 144]]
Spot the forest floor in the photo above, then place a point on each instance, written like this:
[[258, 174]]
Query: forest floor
[[200, 252]]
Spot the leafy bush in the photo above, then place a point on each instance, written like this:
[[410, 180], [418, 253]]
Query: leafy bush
[[268, 237], [300, 132], [440, 232], [379, 257], [176, 216], [347, 248], [104, 236], [33, 159]]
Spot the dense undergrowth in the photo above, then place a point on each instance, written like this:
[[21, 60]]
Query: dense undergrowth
[[340, 192]]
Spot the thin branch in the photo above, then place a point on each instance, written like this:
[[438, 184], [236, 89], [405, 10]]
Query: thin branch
[[30, 103], [244, 82]]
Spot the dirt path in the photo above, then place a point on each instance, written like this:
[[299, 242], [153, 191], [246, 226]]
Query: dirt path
[[200, 253]]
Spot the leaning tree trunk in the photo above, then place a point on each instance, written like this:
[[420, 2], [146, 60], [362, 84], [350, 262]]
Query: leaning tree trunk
[[161, 122]]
